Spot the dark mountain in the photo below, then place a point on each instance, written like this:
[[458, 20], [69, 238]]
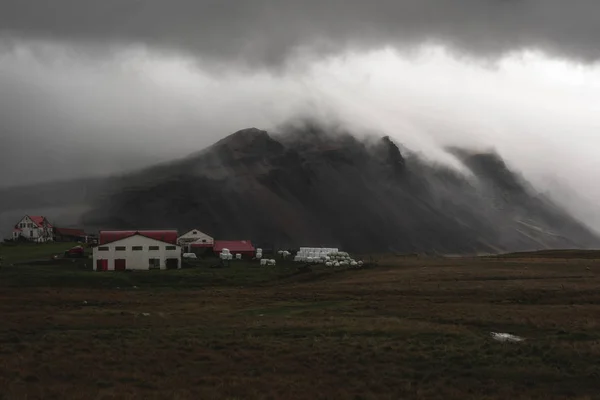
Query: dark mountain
[[310, 187]]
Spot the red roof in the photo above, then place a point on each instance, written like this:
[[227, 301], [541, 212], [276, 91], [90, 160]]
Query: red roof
[[69, 232], [207, 245], [163, 236], [39, 220], [234, 246]]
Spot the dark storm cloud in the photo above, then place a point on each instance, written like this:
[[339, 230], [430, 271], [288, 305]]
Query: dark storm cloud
[[265, 31]]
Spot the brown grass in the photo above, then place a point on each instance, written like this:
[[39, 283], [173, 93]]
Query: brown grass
[[412, 328]]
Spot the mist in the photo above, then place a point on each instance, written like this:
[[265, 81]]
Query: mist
[[66, 114]]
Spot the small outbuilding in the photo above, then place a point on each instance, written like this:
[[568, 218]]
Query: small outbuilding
[[69, 235], [137, 250], [243, 247]]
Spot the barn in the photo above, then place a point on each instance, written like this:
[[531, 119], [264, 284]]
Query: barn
[[137, 250], [243, 247], [197, 242], [195, 236]]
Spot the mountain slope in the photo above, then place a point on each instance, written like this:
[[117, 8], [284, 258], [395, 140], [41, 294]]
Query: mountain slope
[[309, 187]]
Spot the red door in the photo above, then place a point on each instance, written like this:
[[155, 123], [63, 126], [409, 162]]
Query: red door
[[120, 265], [102, 265]]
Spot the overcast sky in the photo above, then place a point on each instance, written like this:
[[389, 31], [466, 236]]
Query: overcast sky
[[97, 87]]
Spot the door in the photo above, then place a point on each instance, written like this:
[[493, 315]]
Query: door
[[120, 265], [154, 263], [101, 265], [172, 263]]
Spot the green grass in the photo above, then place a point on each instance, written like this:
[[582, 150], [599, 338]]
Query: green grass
[[79, 272], [15, 253]]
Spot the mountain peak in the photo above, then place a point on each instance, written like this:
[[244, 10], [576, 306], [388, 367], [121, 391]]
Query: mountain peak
[[250, 140], [245, 136]]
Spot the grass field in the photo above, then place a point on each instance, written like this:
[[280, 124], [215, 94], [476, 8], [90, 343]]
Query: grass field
[[407, 328]]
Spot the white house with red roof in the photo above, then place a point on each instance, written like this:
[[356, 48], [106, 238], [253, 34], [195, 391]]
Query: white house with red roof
[[35, 228], [137, 250]]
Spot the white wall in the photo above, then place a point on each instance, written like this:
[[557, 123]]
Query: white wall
[[195, 236], [30, 231], [138, 260]]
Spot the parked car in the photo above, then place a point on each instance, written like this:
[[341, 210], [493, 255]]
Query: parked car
[[75, 252]]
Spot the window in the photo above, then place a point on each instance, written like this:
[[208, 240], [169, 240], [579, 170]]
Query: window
[[103, 248], [154, 248], [171, 248], [137, 248], [120, 248], [30, 233], [203, 240]]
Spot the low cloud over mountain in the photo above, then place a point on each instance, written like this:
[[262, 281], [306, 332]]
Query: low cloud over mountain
[[310, 185]]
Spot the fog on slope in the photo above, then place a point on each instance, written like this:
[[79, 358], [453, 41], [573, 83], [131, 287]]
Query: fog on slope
[[66, 115]]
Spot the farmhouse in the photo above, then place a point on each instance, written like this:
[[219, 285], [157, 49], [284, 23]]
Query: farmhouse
[[33, 228], [243, 247], [137, 250]]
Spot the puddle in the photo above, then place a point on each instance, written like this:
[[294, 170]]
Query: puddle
[[506, 337]]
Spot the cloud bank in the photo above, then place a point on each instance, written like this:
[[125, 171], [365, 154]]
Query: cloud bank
[[93, 88], [265, 32]]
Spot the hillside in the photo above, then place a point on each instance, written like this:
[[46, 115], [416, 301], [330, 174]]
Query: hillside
[[306, 186]]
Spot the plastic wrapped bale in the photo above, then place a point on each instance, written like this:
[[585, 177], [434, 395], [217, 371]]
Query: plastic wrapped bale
[[328, 264], [360, 263], [272, 263], [353, 263], [259, 255], [263, 262], [238, 256], [280, 252], [189, 255], [336, 264]]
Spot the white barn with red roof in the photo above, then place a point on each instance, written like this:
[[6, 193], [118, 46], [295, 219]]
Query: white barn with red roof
[[137, 250], [35, 228]]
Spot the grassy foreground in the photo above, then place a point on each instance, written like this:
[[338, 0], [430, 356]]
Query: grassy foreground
[[410, 328]]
